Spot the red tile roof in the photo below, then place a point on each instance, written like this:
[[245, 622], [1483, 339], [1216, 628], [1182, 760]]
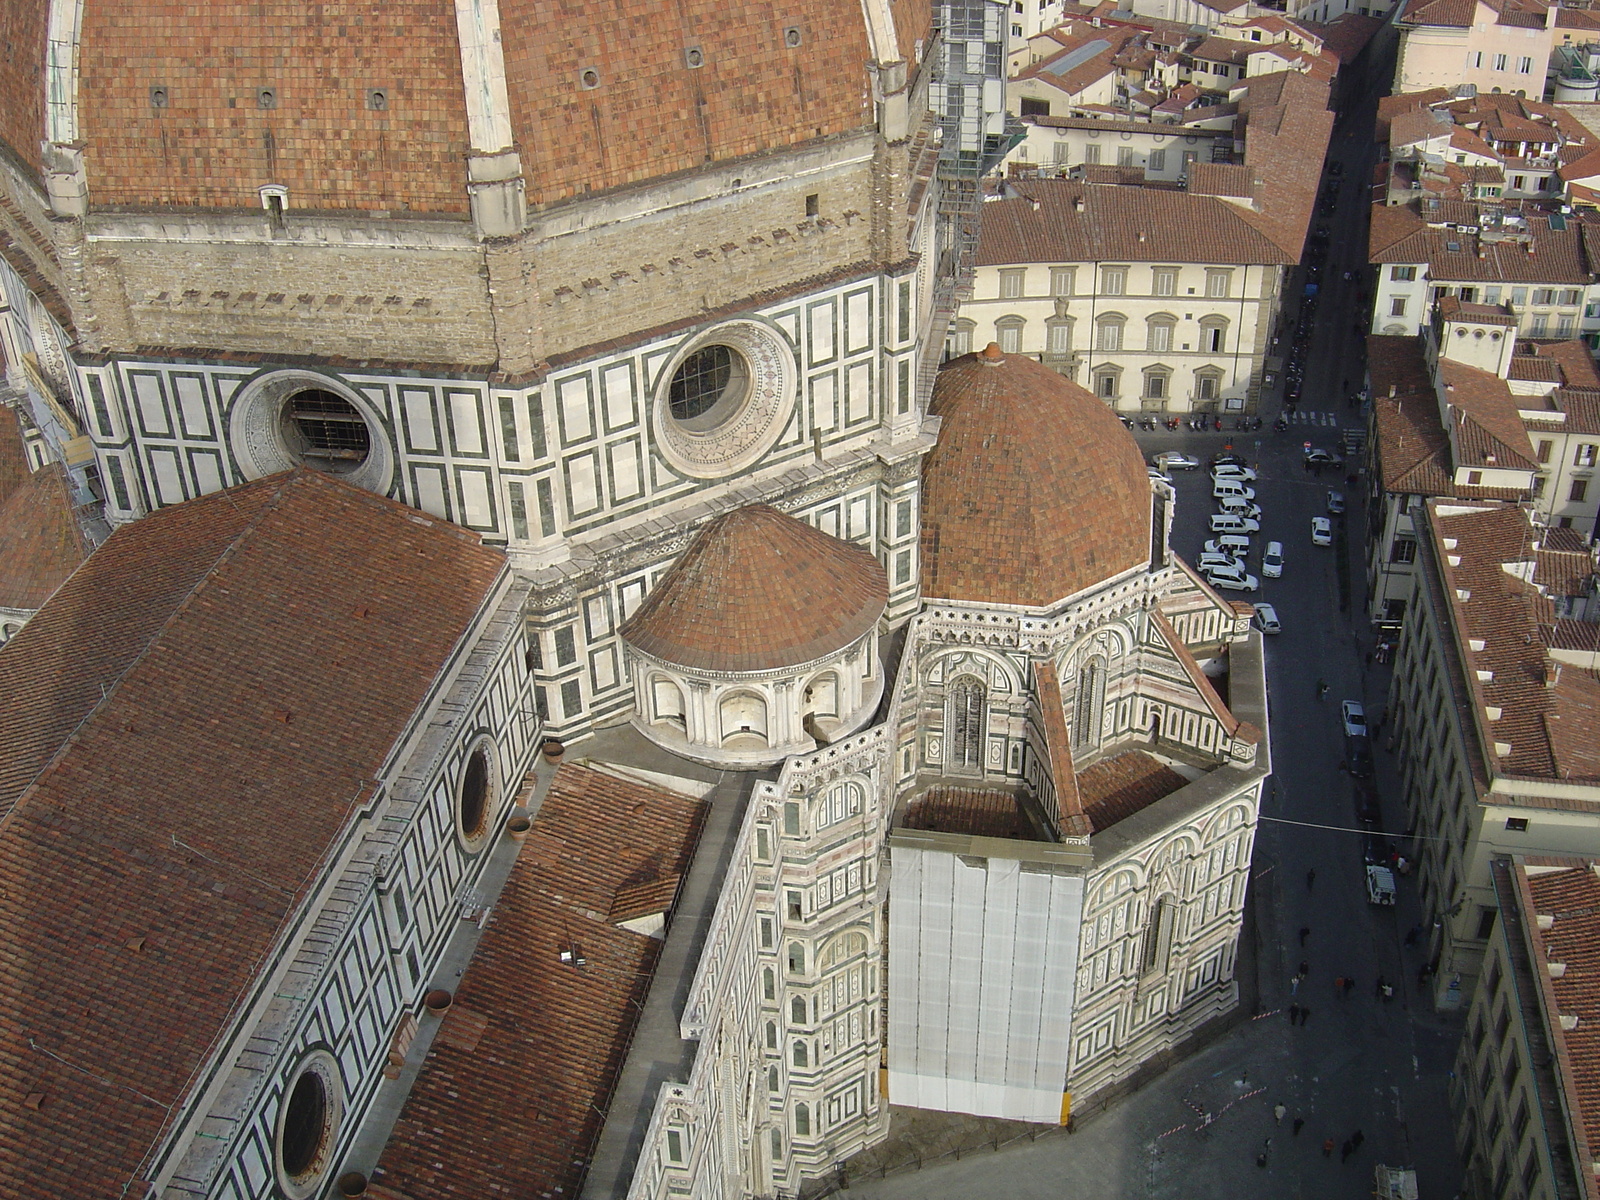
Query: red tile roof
[[40, 540], [1488, 429], [758, 590], [1116, 788], [1572, 899], [1034, 492], [1401, 234], [1552, 725], [214, 692], [515, 1108], [980, 812]]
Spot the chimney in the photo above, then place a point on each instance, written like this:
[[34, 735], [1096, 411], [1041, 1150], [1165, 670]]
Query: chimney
[[1392, 390], [1077, 204]]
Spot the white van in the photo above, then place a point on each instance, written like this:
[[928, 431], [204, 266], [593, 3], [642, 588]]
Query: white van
[[1233, 523], [1228, 487], [1235, 545], [1233, 579], [1238, 504]]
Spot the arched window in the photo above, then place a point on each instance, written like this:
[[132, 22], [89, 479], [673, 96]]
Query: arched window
[[769, 984], [960, 339], [772, 1035], [797, 958], [744, 716], [964, 722], [1008, 332], [772, 1080], [1213, 335], [1158, 937], [777, 1147], [1089, 702], [797, 1010], [802, 1121], [1058, 336], [800, 1055], [1108, 332], [667, 698], [1158, 333]]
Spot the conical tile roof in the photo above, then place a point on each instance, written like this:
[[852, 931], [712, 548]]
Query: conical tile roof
[[758, 590]]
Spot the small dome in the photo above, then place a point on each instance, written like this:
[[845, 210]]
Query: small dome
[[757, 591], [1035, 490]]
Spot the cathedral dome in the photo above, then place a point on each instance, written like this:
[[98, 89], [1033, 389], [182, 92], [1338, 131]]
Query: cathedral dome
[[1035, 490], [758, 591]]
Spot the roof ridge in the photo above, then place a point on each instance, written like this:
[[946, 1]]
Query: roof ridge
[[106, 693]]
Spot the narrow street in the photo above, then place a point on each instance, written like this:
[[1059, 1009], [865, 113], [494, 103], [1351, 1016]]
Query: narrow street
[[1357, 1062]]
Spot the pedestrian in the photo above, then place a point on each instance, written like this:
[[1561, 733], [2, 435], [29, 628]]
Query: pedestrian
[[1294, 985], [1294, 1014], [1305, 932], [1311, 882], [1356, 1139], [1305, 1014], [1346, 1150], [1388, 992], [1377, 989], [1413, 934], [1277, 1113], [1349, 984], [1298, 1122], [1327, 1148], [1261, 1159], [1338, 984], [1305, 968]]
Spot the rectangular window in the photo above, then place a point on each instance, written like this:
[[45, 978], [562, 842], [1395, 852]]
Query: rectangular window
[[1571, 296], [1110, 336], [1010, 338], [1404, 550], [1011, 284], [1408, 274], [1584, 455], [1091, 154], [119, 483], [1125, 156], [1218, 284], [1524, 65], [1475, 60], [904, 311], [1538, 485], [1474, 478], [1060, 339], [1491, 295], [1519, 297], [1160, 338], [1211, 339], [1155, 386], [1062, 153], [1106, 387], [1544, 295], [536, 426], [903, 383], [1063, 281], [1205, 387], [902, 519], [1397, 307], [1114, 281], [1486, 927], [1580, 489], [1545, 446], [1158, 160], [1499, 62], [1166, 281], [1540, 326], [1564, 326]]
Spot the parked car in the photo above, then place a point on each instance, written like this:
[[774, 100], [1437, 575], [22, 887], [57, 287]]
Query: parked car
[[1232, 471], [1358, 757], [1227, 522], [1321, 531], [1355, 718], [1172, 460], [1235, 504], [1380, 885], [1207, 562], [1235, 544], [1230, 487], [1158, 473], [1323, 459], [1267, 619], [1336, 503], [1232, 579], [1272, 561]]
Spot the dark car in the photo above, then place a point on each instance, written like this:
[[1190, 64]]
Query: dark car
[[1323, 458], [1366, 799], [1358, 757]]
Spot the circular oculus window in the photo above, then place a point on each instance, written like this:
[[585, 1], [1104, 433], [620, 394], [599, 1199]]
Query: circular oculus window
[[476, 795], [308, 1125], [724, 399], [291, 418]]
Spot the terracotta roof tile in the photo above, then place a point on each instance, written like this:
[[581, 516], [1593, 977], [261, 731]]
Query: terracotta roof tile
[[1488, 429], [515, 1108], [23, 31], [981, 812], [40, 541], [1034, 491], [1116, 788], [1572, 899], [267, 645], [1400, 234], [758, 590]]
